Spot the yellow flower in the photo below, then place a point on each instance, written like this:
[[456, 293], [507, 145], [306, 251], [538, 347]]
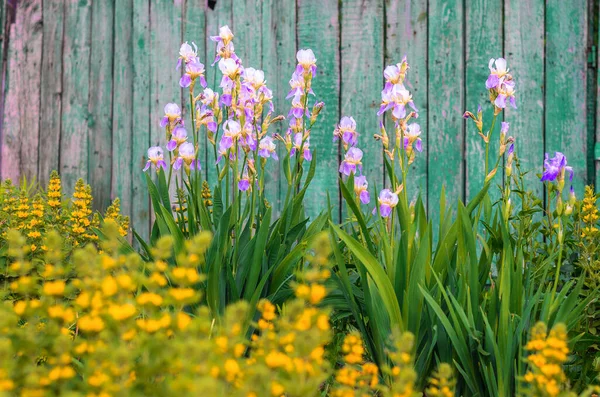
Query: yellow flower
[[232, 369], [121, 312], [183, 321], [54, 288], [90, 323], [317, 293], [20, 307], [277, 389], [109, 286], [182, 294], [149, 298]]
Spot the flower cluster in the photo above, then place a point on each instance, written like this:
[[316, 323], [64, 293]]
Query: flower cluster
[[501, 85], [297, 136], [239, 110], [35, 214], [442, 383], [548, 352]]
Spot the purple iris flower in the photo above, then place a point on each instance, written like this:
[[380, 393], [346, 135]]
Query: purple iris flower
[[306, 154], [387, 201], [555, 167], [187, 53], [396, 99], [193, 70], [232, 131], [267, 148], [352, 161], [412, 137], [306, 62], [360, 188], [244, 183], [187, 155], [172, 114], [496, 73], [511, 149], [347, 131], [506, 91], [155, 156], [178, 137]]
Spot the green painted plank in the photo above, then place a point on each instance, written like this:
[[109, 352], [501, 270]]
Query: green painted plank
[[483, 20], [524, 49], [165, 40], [76, 65], [100, 107], [247, 18], [20, 137], [215, 18], [362, 79], [123, 109], [406, 34], [597, 88], [566, 65], [194, 31], [446, 98], [142, 118], [318, 29], [51, 89], [278, 63]]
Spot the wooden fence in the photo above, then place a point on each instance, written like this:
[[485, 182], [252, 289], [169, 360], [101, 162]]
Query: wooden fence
[[85, 81]]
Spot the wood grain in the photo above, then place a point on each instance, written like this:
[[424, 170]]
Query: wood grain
[[566, 79], [318, 29], [362, 79], [446, 102], [406, 34], [100, 132], [75, 99], [524, 45], [20, 127], [53, 13]]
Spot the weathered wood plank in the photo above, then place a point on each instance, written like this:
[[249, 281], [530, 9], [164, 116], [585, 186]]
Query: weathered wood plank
[[484, 28], [566, 77], [318, 29], [142, 117], [597, 88], [20, 138], [362, 79], [76, 65], [100, 156], [123, 175], [446, 99], [524, 49], [51, 88], [247, 22], [165, 39], [194, 31], [406, 34], [278, 63], [221, 15]]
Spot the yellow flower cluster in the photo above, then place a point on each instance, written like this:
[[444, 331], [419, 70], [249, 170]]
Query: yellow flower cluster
[[113, 213], [442, 383], [589, 214], [36, 214], [103, 323], [80, 221], [547, 355], [54, 191]]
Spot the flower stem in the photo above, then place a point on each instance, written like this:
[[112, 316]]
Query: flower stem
[[487, 145]]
